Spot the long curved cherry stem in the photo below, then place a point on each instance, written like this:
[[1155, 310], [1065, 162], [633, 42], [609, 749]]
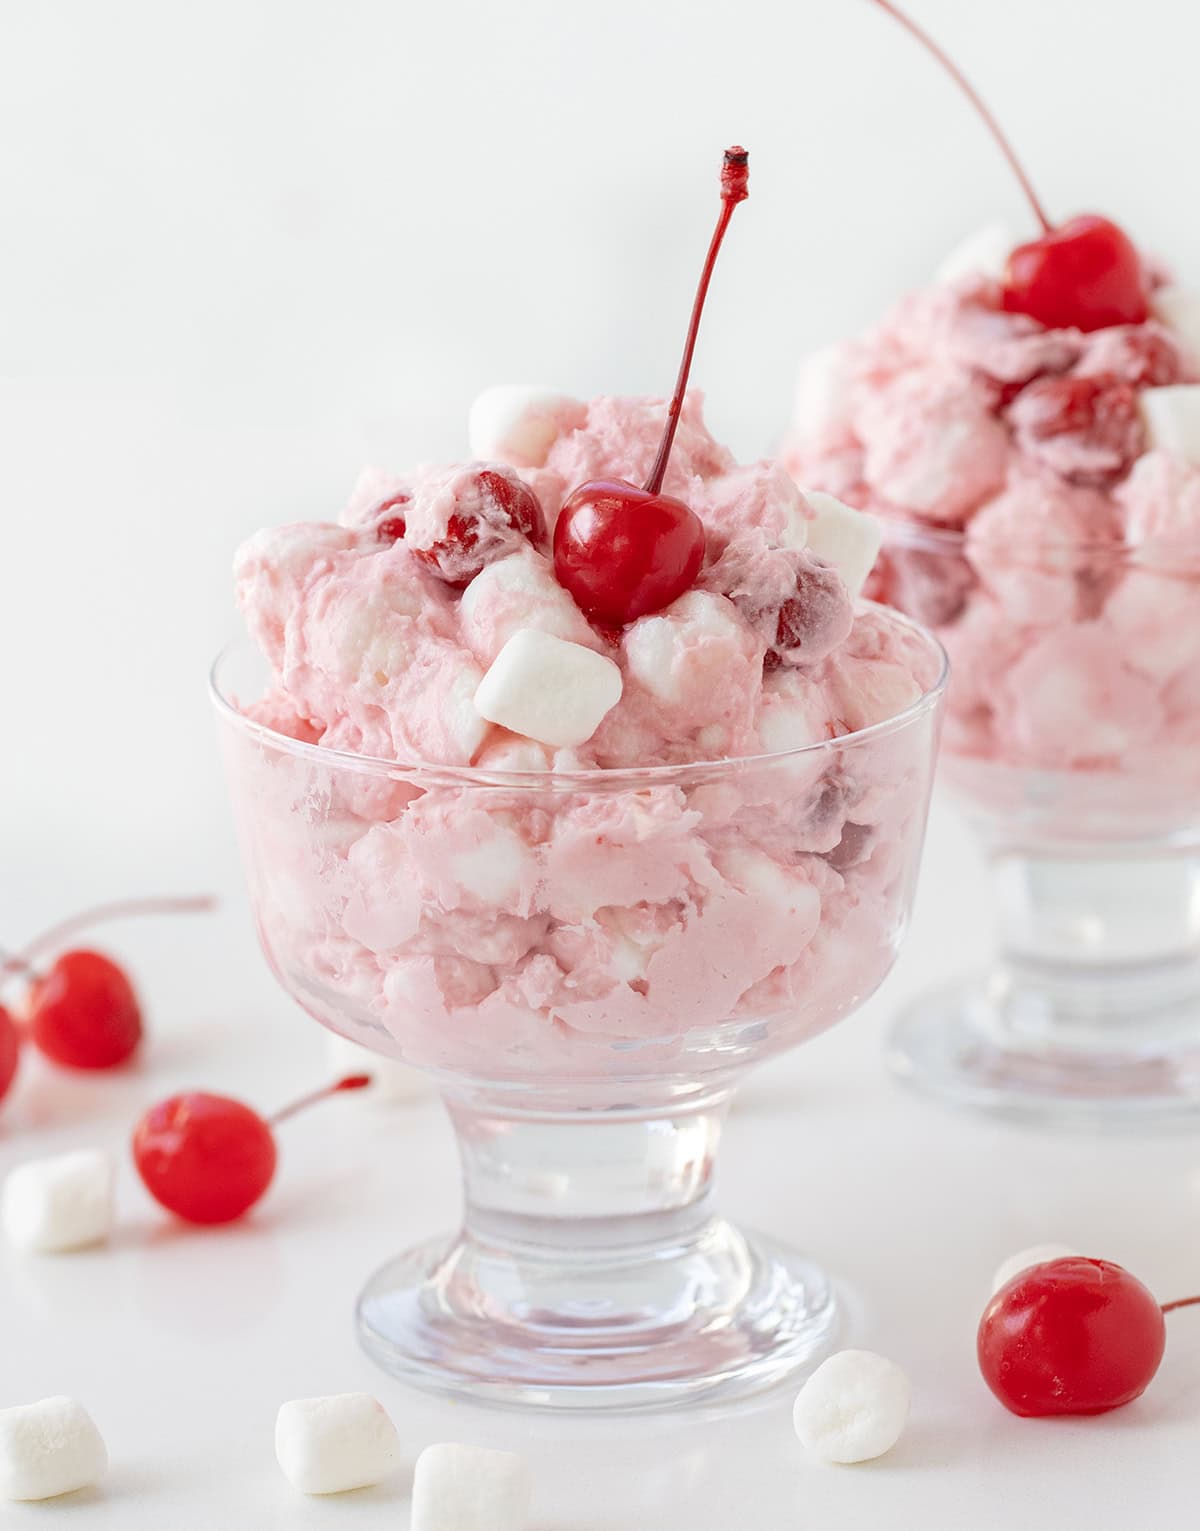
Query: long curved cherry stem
[[976, 101], [349, 1082], [735, 176], [20, 962], [1181, 1302], [11, 963]]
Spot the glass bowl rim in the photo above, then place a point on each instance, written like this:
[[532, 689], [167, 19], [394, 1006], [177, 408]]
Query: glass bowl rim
[[910, 532], [594, 777]]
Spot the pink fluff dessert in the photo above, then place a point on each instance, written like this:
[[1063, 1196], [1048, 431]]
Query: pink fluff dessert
[[491, 834], [1040, 487]]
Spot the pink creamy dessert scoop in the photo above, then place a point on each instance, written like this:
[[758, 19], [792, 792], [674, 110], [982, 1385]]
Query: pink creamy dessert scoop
[[659, 879], [1040, 490]]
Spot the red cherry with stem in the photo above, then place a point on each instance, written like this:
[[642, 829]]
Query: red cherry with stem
[[1085, 274], [10, 1050], [209, 1158], [621, 551], [83, 1011], [1071, 1336]]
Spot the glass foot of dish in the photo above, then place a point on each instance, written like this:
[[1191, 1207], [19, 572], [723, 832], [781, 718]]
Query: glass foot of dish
[[978, 1043], [718, 1317]]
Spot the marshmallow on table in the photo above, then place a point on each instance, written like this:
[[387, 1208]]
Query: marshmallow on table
[[854, 1407], [1179, 310], [1172, 417], [53, 1205], [49, 1448], [1038, 1254], [518, 423], [468, 1488], [392, 1080], [330, 1445], [983, 253], [848, 539], [548, 689]]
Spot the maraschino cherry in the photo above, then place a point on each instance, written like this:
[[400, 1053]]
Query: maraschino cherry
[[82, 1011], [209, 1158], [621, 551], [1072, 1336], [10, 1051], [1085, 274]]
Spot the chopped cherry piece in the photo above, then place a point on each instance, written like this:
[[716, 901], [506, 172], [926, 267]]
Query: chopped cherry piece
[[209, 1158], [392, 527], [83, 1012], [817, 618], [853, 848], [624, 551], [496, 511], [1089, 429], [930, 586], [10, 1051], [1072, 1336], [1084, 275]]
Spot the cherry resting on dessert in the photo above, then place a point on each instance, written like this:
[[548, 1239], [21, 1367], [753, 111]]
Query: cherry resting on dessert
[[1085, 274], [209, 1158], [83, 1011], [621, 551], [1072, 1336]]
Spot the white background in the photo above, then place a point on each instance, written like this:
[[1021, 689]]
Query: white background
[[248, 246]]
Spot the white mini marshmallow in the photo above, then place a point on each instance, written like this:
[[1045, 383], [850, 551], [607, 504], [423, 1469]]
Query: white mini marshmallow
[[1179, 310], [854, 1407], [661, 650], [983, 253], [518, 423], [515, 592], [468, 1488], [1038, 1254], [1172, 417], [393, 1081], [822, 399], [548, 689], [330, 1445], [49, 1448], [58, 1204], [508, 752], [848, 539]]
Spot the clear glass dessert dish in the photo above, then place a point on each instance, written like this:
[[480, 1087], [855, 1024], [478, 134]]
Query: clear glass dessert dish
[[1072, 741], [587, 963]]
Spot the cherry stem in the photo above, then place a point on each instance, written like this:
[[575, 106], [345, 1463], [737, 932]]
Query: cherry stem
[[976, 101], [735, 176], [11, 963], [1180, 1302], [350, 1082], [21, 961]]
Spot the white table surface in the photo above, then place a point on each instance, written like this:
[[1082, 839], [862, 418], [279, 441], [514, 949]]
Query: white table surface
[[183, 1343]]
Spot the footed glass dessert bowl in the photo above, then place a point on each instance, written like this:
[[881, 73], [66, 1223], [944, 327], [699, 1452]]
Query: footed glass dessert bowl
[[1027, 426], [1072, 742], [587, 963]]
